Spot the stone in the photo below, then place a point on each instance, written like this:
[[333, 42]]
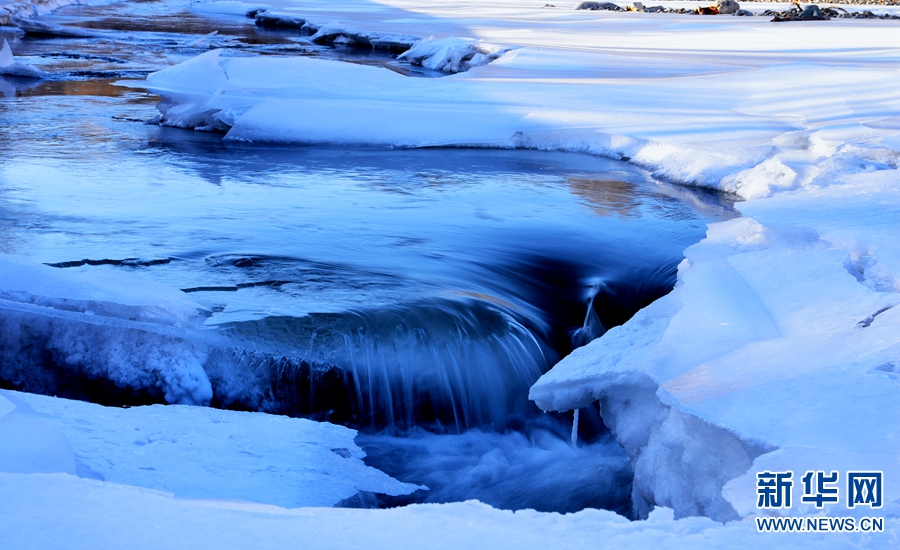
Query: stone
[[607, 6], [727, 7]]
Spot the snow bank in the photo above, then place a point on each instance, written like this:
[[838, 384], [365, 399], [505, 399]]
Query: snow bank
[[58, 510], [678, 99], [783, 329], [315, 101], [191, 452]]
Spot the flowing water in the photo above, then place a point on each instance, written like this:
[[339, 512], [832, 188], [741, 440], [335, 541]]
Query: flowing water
[[412, 294]]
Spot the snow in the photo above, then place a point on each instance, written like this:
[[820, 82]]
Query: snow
[[773, 337], [451, 55], [10, 67], [192, 452], [108, 325], [47, 510], [723, 104]]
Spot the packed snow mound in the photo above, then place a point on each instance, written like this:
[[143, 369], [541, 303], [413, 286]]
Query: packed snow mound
[[743, 356], [10, 67], [192, 452], [452, 55]]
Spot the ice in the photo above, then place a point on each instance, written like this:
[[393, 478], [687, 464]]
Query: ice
[[191, 452], [59, 510], [226, 7], [335, 33], [451, 55], [773, 337], [757, 130], [104, 292], [10, 67], [106, 326]]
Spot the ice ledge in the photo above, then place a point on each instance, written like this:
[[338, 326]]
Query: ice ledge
[[782, 333]]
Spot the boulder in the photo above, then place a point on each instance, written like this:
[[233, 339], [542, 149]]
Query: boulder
[[607, 6], [727, 7]]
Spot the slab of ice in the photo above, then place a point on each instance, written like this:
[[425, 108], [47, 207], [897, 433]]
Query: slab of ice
[[192, 452], [10, 67], [317, 101]]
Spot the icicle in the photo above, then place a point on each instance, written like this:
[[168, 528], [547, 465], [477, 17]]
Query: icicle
[[575, 429]]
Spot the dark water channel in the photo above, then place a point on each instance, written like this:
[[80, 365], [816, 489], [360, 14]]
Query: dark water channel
[[434, 285]]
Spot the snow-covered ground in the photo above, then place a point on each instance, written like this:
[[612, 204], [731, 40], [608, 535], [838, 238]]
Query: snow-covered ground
[[191, 452], [778, 350], [78, 475]]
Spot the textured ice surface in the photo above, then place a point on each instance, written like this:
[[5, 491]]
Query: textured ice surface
[[192, 452], [107, 325]]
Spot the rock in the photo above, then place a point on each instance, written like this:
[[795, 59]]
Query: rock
[[607, 6], [743, 13], [727, 7], [711, 10], [812, 12], [638, 6]]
